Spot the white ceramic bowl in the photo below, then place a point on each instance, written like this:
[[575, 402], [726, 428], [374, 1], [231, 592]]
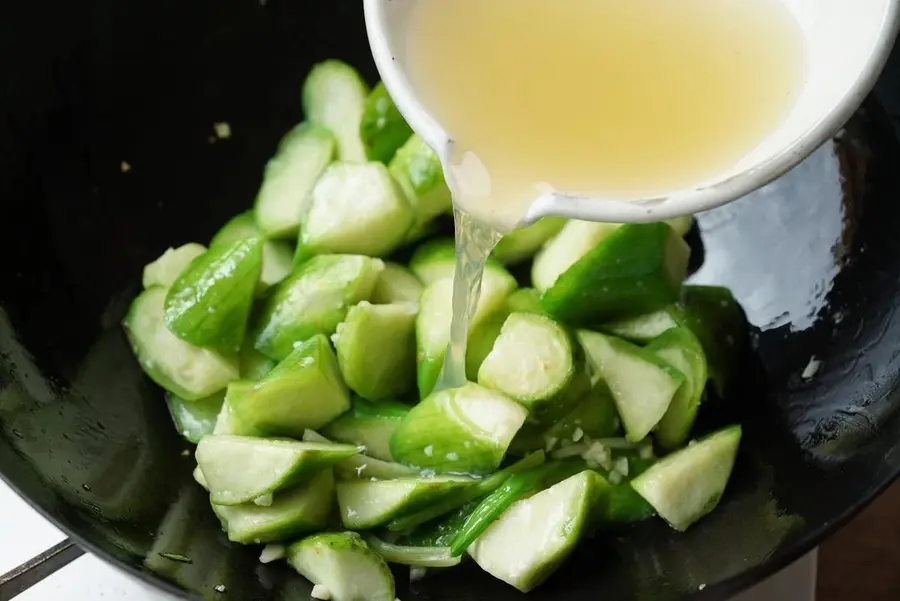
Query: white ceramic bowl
[[848, 42]]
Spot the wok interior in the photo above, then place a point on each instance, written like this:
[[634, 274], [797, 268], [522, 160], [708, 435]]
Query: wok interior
[[814, 258]]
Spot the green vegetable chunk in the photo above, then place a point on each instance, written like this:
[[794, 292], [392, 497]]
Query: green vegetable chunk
[[680, 348], [253, 364], [303, 391], [370, 425], [520, 245], [644, 328], [195, 419], [688, 484], [531, 361], [356, 208], [239, 469], [166, 269], [465, 496], [434, 320], [278, 256], [418, 170], [425, 557], [461, 430], [364, 467], [594, 416], [574, 241], [636, 269], [292, 512], [482, 340], [625, 506], [183, 369], [436, 260], [537, 534], [334, 96], [397, 284], [366, 504], [641, 384], [209, 303], [524, 300], [302, 156], [376, 349], [313, 300], [383, 129], [344, 565], [515, 487], [716, 318], [229, 423]]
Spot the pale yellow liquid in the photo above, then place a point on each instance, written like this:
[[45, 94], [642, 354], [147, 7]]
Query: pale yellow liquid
[[616, 98]]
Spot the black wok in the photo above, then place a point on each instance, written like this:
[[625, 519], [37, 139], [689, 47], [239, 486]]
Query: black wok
[[86, 439]]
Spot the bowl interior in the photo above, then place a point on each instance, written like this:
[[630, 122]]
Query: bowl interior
[[846, 46], [86, 438]]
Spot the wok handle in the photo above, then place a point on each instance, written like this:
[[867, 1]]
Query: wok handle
[[20, 579]]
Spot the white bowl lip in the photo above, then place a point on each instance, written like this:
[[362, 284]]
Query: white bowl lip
[[683, 202]]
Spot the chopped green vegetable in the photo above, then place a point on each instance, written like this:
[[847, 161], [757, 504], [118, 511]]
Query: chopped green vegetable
[[688, 484], [516, 487], [531, 361], [254, 338], [363, 467], [195, 419], [520, 245], [303, 391], [524, 300], [466, 495], [365, 504], [680, 348], [644, 328], [575, 240], [537, 534], [253, 364], [418, 170], [209, 303], [641, 384], [434, 320], [229, 423], [376, 349], [313, 300], [239, 469], [290, 175], [370, 425], [277, 255], [334, 96], [183, 369], [344, 565], [636, 269], [436, 260], [383, 129], [295, 511], [166, 269], [397, 284], [716, 318], [424, 557], [356, 208], [461, 430], [482, 340], [594, 416]]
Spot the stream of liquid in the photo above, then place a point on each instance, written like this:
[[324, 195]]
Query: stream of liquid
[[630, 99], [474, 242]]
